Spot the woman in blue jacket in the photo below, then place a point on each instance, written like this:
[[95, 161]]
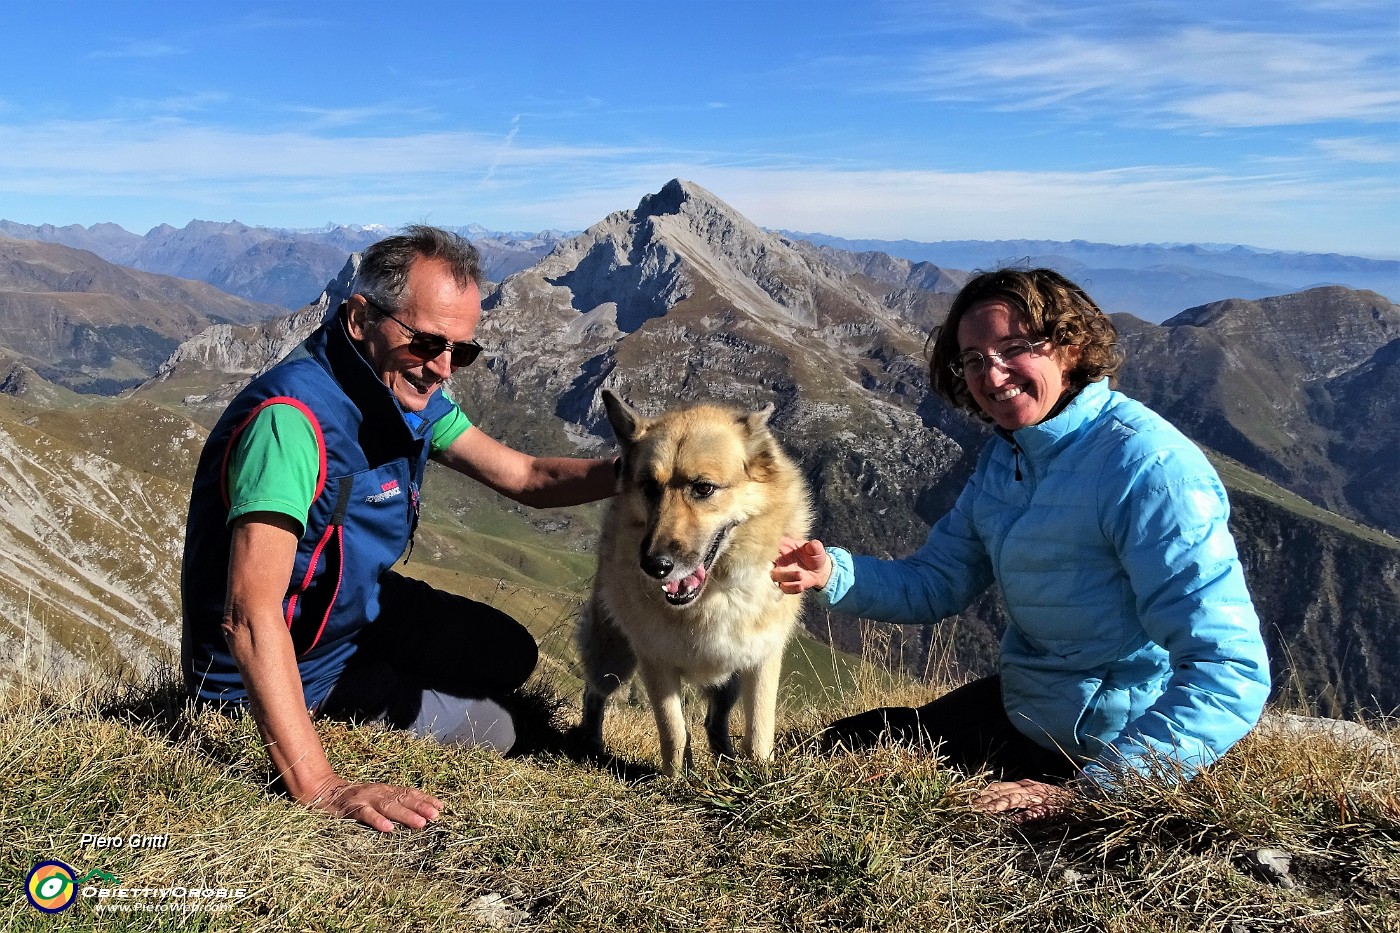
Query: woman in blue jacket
[[1132, 644]]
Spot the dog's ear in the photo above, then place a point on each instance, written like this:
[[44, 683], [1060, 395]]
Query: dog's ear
[[627, 423], [757, 421], [761, 456]]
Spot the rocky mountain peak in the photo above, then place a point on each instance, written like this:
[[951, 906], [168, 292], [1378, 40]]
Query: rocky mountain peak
[[1329, 330], [681, 243], [678, 196], [669, 199]]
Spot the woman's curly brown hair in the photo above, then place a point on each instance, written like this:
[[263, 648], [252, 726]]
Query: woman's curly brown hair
[[1051, 306]]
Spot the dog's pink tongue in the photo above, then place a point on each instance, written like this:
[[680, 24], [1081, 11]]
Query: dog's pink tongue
[[689, 584]]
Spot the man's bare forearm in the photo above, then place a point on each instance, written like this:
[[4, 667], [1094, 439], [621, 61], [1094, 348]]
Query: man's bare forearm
[[264, 654]]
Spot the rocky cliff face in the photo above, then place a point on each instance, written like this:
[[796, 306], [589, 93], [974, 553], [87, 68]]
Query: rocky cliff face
[[1329, 603], [223, 358]]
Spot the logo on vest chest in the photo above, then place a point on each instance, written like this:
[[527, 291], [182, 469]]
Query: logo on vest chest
[[387, 491]]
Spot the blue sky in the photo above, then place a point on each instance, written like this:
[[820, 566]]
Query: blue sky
[[1273, 124]]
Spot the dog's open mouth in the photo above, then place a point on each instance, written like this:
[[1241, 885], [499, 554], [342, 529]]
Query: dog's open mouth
[[681, 592], [685, 591]]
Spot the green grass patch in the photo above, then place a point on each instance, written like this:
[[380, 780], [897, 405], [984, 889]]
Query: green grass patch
[[1237, 477]]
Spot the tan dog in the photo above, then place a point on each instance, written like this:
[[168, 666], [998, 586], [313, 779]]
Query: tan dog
[[682, 590]]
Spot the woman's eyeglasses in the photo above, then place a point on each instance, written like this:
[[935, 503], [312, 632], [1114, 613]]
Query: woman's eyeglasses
[[428, 346], [971, 363]]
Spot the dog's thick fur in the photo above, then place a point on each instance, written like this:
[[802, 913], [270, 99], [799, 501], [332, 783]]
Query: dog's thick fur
[[682, 591]]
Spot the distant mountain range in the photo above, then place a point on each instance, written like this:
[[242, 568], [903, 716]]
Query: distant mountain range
[[263, 264], [1151, 281], [288, 267], [94, 326], [684, 298]]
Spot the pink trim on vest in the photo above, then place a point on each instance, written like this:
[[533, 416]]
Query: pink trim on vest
[[300, 406]]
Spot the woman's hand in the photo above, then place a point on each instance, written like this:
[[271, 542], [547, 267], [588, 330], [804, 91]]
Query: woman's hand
[[801, 565], [1023, 801]]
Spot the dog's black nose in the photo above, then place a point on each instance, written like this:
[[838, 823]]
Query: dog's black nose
[[657, 565]]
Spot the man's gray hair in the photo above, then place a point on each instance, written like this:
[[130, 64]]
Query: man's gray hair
[[384, 267]]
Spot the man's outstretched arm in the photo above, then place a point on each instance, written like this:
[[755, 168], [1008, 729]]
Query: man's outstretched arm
[[260, 567], [539, 482]]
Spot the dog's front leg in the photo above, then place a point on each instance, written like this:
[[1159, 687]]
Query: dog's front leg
[[663, 685], [759, 689], [722, 698]]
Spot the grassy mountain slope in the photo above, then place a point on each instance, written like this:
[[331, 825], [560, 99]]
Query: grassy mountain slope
[[90, 531]]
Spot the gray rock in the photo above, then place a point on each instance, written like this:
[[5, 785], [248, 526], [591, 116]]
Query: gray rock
[[493, 911], [1269, 865], [1341, 730]]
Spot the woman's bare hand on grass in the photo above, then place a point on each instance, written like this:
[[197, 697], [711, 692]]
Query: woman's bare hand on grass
[[1023, 801]]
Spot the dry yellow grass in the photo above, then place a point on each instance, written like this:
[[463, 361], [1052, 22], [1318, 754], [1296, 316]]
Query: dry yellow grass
[[877, 841]]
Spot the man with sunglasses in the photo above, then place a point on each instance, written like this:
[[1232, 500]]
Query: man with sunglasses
[[306, 494]]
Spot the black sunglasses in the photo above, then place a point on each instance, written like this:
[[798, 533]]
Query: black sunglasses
[[428, 346]]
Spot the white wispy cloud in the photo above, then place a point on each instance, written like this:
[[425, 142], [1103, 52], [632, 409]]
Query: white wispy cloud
[[1144, 203], [502, 150], [1195, 74], [174, 104], [1361, 149], [336, 118], [139, 48], [164, 148], [457, 177]]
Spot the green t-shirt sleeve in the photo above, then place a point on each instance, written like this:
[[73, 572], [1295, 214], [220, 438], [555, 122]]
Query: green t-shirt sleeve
[[448, 428], [275, 465]]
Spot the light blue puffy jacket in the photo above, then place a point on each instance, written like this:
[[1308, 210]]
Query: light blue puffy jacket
[[1132, 638]]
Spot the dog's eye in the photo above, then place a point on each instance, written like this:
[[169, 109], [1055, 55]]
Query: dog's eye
[[650, 488], [703, 490]]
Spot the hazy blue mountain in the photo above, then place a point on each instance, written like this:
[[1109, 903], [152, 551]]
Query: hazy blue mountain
[[1152, 281]]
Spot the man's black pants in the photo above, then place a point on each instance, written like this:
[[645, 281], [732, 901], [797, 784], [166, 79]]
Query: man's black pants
[[425, 639]]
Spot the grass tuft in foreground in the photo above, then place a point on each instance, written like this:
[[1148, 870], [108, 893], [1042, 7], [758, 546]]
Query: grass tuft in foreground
[[541, 841]]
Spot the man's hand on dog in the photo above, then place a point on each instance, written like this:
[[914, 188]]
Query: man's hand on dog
[[1023, 801], [801, 565], [379, 806]]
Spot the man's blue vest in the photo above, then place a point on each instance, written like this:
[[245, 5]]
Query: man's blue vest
[[361, 520]]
